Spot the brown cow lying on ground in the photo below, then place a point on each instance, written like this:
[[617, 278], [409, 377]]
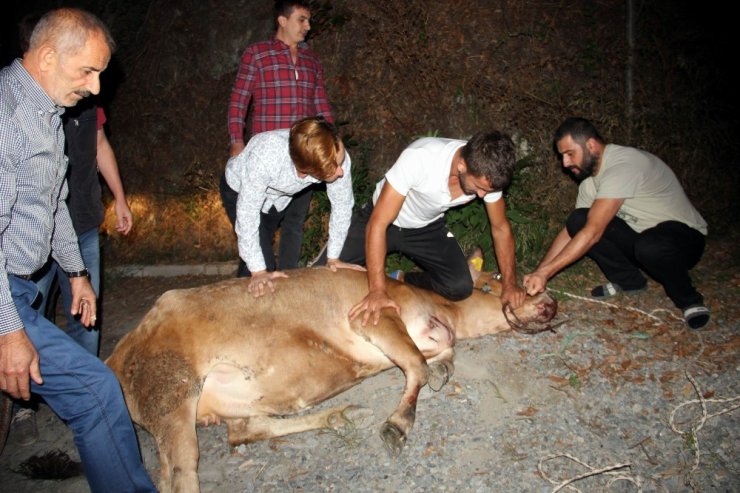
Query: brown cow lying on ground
[[216, 353]]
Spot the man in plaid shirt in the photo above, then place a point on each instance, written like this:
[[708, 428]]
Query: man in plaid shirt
[[283, 80]]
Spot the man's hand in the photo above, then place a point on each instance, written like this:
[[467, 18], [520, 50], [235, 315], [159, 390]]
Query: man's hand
[[84, 301], [535, 283], [372, 304], [124, 218], [236, 149], [18, 361], [513, 295], [335, 263], [261, 282]]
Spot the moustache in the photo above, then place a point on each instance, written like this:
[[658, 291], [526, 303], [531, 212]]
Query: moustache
[[83, 94]]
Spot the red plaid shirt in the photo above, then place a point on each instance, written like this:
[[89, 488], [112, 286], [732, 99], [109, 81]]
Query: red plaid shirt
[[282, 91]]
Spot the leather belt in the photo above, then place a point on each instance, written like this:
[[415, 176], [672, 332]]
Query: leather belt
[[25, 277]]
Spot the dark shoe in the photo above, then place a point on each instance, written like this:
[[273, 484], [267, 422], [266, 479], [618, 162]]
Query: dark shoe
[[24, 426], [697, 316], [612, 289]]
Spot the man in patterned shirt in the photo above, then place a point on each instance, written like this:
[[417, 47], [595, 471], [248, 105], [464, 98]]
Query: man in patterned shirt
[[269, 172], [283, 80], [68, 50]]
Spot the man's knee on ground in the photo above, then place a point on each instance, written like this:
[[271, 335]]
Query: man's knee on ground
[[457, 291], [576, 221]]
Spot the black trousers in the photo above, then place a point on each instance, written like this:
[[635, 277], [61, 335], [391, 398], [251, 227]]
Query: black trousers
[[665, 252], [290, 221], [432, 248]]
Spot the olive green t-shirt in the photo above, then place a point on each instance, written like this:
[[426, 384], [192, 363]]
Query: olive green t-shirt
[[650, 189]]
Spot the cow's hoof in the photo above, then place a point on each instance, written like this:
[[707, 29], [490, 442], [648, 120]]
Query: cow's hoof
[[439, 374], [350, 418], [393, 438]]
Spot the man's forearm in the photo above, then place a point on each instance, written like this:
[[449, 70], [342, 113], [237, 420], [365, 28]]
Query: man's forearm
[[564, 251], [505, 251], [376, 251]]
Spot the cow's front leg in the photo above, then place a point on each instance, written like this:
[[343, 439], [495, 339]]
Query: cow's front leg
[[391, 337]]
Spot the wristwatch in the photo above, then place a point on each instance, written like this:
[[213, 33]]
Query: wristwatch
[[79, 273]]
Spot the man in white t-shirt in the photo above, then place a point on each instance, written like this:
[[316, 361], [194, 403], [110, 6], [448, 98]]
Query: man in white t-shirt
[[631, 215], [407, 216]]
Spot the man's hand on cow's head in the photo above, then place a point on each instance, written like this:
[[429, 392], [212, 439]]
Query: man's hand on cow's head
[[261, 282], [335, 263], [18, 361], [372, 305], [513, 295], [535, 283]]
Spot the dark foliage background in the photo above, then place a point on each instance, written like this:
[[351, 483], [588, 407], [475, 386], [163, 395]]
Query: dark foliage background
[[398, 69]]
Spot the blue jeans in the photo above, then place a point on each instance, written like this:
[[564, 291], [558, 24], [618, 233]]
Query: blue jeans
[[85, 394], [88, 338]]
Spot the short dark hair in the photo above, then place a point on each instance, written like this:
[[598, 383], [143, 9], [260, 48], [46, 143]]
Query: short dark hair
[[579, 129], [491, 155], [286, 7]]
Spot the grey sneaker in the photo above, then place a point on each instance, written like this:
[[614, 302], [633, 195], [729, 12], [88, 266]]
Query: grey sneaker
[[24, 423]]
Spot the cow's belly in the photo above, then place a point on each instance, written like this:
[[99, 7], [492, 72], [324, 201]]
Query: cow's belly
[[300, 366], [231, 392]]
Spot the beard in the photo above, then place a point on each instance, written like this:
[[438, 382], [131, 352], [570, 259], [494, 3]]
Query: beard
[[463, 183], [586, 169]]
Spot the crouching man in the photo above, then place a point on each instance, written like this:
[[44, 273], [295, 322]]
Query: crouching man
[[631, 215]]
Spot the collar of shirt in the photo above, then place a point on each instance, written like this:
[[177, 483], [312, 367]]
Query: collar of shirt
[[34, 91], [279, 45]]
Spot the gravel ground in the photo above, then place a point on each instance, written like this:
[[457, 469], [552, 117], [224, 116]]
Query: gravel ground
[[598, 393]]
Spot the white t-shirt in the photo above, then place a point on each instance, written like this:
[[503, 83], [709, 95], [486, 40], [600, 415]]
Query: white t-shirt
[[652, 194], [421, 174]]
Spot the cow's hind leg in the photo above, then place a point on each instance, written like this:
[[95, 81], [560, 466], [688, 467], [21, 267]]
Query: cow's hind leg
[[177, 442], [252, 429], [441, 369], [391, 337]]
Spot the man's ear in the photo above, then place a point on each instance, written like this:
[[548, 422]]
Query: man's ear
[[462, 166], [591, 145], [48, 58], [282, 20]]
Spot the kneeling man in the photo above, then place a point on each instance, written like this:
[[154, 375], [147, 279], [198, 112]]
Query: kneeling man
[[407, 216]]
